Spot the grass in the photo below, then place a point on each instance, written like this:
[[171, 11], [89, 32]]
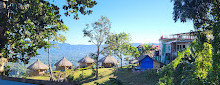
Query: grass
[[125, 75], [136, 78], [40, 77], [88, 79]]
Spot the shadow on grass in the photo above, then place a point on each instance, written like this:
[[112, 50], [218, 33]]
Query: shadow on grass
[[126, 76], [87, 79]]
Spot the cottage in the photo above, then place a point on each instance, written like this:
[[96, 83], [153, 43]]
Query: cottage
[[108, 61], [86, 62], [63, 64], [146, 62], [37, 68]]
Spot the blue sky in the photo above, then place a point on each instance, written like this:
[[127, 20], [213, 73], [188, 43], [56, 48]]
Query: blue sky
[[144, 20]]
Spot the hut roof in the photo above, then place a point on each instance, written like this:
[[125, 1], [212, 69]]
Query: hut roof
[[63, 62], [38, 65], [108, 59], [86, 59]]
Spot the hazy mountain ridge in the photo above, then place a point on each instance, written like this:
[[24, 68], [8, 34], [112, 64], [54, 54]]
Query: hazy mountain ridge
[[71, 52]]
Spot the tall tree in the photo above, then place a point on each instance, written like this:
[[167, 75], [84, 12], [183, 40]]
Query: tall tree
[[119, 45], [98, 35], [205, 16], [27, 24]]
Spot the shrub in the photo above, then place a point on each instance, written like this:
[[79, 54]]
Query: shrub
[[7, 70], [70, 78]]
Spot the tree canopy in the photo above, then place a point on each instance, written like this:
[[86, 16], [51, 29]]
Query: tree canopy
[[98, 35], [198, 64], [26, 24]]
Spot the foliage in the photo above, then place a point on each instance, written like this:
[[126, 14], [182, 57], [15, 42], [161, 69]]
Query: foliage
[[146, 49], [7, 70], [205, 15], [27, 23], [70, 78], [190, 67], [98, 35], [118, 45], [25, 75]]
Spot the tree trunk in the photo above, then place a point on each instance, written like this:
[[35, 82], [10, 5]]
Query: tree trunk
[[97, 64], [121, 62], [51, 74]]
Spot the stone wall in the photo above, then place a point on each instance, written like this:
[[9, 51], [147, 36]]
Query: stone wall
[[40, 82]]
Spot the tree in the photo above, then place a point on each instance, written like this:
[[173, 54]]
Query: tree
[[118, 45], [27, 24], [98, 35], [134, 51], [146, 49], [205, 16]]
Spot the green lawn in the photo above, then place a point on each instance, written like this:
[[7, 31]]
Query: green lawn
[[126, 76], [88, 79]]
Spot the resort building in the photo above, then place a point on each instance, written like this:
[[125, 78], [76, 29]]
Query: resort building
[[63, 64], [169, 46], [37, 68], [108, 61], [86, 62]]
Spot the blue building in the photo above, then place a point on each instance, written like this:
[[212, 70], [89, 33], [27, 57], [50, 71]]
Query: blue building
[[146, 62]]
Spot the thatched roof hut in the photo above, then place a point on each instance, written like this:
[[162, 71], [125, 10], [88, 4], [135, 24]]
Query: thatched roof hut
[[108, 61], [37, 68], [37, 65], [2, 63], [63, 64], [86, 61]]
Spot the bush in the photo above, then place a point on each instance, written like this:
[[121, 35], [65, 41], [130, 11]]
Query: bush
[[7, 70], [70, 78], [80, 76], [25, 75]]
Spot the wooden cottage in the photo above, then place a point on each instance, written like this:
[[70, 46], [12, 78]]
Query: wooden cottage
[[146, 62], [37, 68], [108, 61], [86, 62], [63, 64]]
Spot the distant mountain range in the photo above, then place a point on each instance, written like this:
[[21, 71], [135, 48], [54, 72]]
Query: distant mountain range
[[71, 52]]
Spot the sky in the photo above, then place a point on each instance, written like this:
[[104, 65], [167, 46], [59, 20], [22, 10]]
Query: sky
[[145, 20]]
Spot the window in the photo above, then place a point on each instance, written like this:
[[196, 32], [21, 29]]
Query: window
[[184, 46]]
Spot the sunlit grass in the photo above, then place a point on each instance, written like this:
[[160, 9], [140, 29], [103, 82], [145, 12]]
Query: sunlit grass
[[104, 75], [125, 75]]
